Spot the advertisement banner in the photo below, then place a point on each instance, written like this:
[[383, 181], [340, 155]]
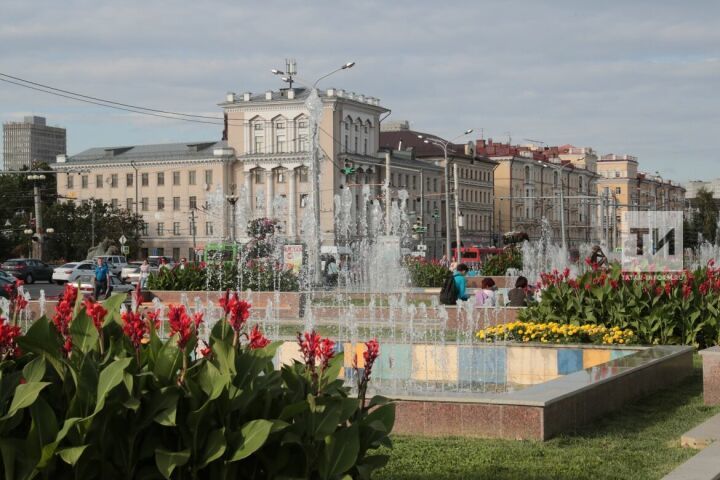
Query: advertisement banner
[[293, 257]]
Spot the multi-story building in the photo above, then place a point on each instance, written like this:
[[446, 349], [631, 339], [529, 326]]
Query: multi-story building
[[179, 189], [528, 185], [475, 186], [692, 187], [264, 165], [31, 141], [623, 187]]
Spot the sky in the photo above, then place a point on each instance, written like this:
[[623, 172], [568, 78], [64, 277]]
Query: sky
[[626, 77]]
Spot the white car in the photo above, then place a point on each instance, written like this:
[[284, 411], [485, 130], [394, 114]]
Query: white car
[[70, 271], [130, 268], [115, 262]]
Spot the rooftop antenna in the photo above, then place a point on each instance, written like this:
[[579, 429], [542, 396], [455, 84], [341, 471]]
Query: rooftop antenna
[[509, 134], [290, 70], [537, 142]]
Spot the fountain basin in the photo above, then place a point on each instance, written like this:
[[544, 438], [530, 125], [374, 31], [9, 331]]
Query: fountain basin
[[514, 391]]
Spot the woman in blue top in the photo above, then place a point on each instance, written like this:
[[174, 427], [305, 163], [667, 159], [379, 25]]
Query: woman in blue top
[[459, 278]]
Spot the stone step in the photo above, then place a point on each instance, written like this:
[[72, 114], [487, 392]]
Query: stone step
[[703, 466], [702, 435]]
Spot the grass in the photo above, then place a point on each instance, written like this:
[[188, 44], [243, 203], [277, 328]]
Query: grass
[[642, 441]]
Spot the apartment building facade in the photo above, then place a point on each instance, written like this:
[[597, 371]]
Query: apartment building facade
[[179, 190], [528, 183], [623, 187], [475, 186], [31, 141]]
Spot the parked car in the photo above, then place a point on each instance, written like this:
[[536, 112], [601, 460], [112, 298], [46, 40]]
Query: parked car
[[70, 271], [87, 284], [133, 277], [115, 262], [131, 267], [5, 275], [5, 282], [28, 269]]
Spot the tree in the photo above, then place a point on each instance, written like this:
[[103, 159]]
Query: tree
[[79, 227], [17, 208], [705, 218]]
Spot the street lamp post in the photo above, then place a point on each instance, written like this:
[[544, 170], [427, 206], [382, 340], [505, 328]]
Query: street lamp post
[[444, 144], [232, 198], [38, 212], [315, 166]]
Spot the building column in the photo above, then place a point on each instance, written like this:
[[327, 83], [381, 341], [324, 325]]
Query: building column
[[291, 202], [269, 194]]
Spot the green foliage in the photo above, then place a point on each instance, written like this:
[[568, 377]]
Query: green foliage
[[426, 273], [257, 275], [703, 220], [667, 309], [498, 264], [159, 411]]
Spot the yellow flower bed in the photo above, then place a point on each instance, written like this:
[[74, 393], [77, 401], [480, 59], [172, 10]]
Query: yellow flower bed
[[557, 333]]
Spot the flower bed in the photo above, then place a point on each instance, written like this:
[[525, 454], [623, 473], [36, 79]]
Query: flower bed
[[95, 393], [666, 308], [556, 333], [427, 273]]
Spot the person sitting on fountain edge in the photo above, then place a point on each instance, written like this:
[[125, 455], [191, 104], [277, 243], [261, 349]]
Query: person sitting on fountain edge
[[459, 277], [520, 296]]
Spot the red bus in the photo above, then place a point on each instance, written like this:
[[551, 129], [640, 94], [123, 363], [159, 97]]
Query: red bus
[[475, 255]]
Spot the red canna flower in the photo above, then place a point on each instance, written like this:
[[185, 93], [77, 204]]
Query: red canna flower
[[181, 324], [686, 291], [257, 339], [96, 312], [8, 337], [371, 353], [308, 346], [67, 346], [22, 381], [325, 352], [153, 318], [135, 328], [566, 272], [206, 351]]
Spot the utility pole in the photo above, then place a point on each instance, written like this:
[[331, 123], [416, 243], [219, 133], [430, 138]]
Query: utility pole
[[38, 216], [232, 199], [422, 205], [388, 198], [457, 214]]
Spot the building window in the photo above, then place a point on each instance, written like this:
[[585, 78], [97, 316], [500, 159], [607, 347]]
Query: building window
[[346, 143], [258, 175], [161, 203], [113, 180], [129, 179], [98, 181], [144, 204], [258, 138], [176, 178], [176, 203], [303, 174], [160, 178], [208, 177], [84, 181], [280, 138], [176, 253], [191, 177], [304, 197], [193, 202], [302, 134], [176, 228], [356, 145], [144, 180], [435, 185], [114, 203], [145, 228], [281, 175], [618, 190], [160, 229], [70, 181], [365, 145], [129, 203], [208, 228], [191, 228]]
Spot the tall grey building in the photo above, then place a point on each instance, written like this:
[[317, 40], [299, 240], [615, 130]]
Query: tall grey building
[[31, 140]]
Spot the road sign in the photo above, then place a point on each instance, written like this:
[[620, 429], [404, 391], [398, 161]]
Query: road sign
[[122, 240], [125, 249], [421, 248]]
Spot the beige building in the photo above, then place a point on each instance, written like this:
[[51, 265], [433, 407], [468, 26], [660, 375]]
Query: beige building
[[171, 186], [183, 188], [528, 183], [623, 187]]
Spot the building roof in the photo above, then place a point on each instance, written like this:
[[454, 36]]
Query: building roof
[[300, 94], [400, 140], [154, 152]]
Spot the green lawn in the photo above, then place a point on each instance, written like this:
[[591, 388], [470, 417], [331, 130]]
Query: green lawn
[[640, 442]]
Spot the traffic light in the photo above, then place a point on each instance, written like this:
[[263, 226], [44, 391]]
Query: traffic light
[[348, 169]]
